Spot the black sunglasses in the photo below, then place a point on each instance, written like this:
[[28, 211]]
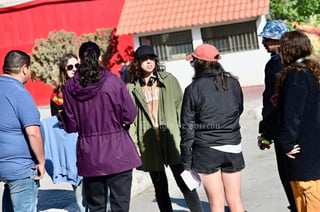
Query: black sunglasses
[[70, 67]]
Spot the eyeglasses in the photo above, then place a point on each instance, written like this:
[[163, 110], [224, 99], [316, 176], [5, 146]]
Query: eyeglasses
[[71, 67]]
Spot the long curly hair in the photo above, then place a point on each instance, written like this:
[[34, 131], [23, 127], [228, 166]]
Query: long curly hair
[[295, 46], [215, 68], [63, 77], [89, 69], [135, 71]]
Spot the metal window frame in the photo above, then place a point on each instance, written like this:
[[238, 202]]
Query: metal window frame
[[232, 38], [164, 44]]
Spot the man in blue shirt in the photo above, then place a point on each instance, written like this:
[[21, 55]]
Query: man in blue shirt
[[22, 155]]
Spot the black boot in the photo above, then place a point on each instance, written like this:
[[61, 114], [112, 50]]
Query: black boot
[[193, 201]]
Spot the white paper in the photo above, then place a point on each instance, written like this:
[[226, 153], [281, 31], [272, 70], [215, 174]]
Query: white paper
[[191, 179]]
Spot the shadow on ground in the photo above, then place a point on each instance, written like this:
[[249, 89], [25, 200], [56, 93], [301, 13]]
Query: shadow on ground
[[55, 198], [182, 203]]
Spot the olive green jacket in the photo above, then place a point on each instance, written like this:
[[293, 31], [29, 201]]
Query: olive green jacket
[[155, 154]]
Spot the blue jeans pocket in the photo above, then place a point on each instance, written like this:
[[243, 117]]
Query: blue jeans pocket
[[21, 195]]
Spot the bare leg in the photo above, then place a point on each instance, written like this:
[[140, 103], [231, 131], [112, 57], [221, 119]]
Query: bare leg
[[232, 188], [213, 186]]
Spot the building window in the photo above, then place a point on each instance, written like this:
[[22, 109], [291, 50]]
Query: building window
[[232, 37], [170, 46]]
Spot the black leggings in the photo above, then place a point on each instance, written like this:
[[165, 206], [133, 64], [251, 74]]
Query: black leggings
[[283, 173], [160, 183]]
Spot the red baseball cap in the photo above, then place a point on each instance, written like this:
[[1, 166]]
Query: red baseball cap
[[205, 52]]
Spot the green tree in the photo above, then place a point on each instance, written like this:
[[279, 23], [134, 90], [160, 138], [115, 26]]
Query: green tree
[[308, 11], [300, 14], [283, 9], [301, 11]]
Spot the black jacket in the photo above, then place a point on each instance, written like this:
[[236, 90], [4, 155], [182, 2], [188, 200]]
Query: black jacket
[[210, 117], [299, 104], [269, 126]]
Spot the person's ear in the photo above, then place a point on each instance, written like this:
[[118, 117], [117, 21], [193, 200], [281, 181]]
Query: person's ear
[[24, 69]]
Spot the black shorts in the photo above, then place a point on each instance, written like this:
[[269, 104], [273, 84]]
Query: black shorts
[[206, 160]]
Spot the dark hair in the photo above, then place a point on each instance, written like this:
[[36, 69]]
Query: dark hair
[[14, 60], [219, 74], [135, 71], [89, 69], [295, 46], [62, 71]]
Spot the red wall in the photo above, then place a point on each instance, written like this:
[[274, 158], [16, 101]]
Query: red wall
[[22, 25]]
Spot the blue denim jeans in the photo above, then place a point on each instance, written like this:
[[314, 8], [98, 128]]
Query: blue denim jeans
[[20, 195]]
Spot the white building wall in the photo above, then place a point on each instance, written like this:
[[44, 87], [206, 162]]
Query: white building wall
[[248, 66]]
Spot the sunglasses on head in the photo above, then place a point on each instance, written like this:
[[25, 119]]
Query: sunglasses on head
[[70, 67]]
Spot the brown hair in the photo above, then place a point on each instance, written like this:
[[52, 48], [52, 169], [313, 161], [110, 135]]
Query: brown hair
[[295, 46], [214, 68], [62, 72], [135, 71]]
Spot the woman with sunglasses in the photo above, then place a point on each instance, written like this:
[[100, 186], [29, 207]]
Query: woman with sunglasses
[[69, 64]]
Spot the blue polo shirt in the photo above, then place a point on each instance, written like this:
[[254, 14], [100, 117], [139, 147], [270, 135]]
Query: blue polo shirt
[[18, 111]]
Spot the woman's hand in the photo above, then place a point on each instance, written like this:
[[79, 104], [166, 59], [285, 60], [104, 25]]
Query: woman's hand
[[295, 150]]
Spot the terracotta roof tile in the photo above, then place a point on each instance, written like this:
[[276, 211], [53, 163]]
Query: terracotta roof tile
[[140, 16]]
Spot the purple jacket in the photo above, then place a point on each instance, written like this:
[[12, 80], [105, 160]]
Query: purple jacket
[[99, 113]]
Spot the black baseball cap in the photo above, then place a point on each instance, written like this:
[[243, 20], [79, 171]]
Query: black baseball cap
[[144, 51]]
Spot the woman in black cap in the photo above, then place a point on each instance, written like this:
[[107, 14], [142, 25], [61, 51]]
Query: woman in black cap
[[157, 95]]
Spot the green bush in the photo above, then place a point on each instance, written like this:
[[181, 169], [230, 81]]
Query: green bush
[[46, 53]]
